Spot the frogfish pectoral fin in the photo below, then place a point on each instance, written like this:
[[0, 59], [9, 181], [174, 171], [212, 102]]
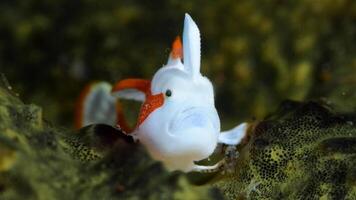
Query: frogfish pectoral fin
[[233, 136], [150, 102], [95, 105], [133, 89]]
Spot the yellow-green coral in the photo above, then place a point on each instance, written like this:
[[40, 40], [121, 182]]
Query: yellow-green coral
[[301, 152], [7, 157], [38, 161]]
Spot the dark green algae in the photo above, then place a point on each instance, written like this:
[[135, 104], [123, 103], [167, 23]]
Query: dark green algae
[[40, 161], [302, 151]]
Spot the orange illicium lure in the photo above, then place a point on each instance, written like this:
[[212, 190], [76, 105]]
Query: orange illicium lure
[[178, 122]]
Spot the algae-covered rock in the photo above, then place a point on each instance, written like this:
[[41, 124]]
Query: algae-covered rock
[[303, 151], [38, 161]]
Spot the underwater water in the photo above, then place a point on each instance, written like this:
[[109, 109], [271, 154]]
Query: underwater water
[[257, 55]]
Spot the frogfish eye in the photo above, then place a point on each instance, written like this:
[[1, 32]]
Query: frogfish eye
[[168, 93]]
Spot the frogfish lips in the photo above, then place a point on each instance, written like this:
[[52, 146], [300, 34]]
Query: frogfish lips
[[151, 103]]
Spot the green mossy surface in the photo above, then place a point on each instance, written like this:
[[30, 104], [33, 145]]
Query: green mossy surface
[[41, 162], [302, 151]]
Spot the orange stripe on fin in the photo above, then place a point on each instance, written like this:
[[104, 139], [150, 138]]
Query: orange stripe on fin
[[177, 49], [79, 106], [151, 103], [139, 84]]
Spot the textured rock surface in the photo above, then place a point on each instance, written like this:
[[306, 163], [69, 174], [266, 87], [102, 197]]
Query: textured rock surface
[[303, 151], [38, 161]]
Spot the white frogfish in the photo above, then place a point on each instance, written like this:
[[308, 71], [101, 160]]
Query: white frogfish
[[178, 122]]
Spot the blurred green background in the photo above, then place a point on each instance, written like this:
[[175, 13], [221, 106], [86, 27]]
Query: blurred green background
[[256, 52]]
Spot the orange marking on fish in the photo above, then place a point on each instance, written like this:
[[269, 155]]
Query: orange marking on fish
[[151, 103], [132, 83], [177, 48], [79, 106]]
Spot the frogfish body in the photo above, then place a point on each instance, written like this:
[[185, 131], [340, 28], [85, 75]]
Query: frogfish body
[[178, 122]]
